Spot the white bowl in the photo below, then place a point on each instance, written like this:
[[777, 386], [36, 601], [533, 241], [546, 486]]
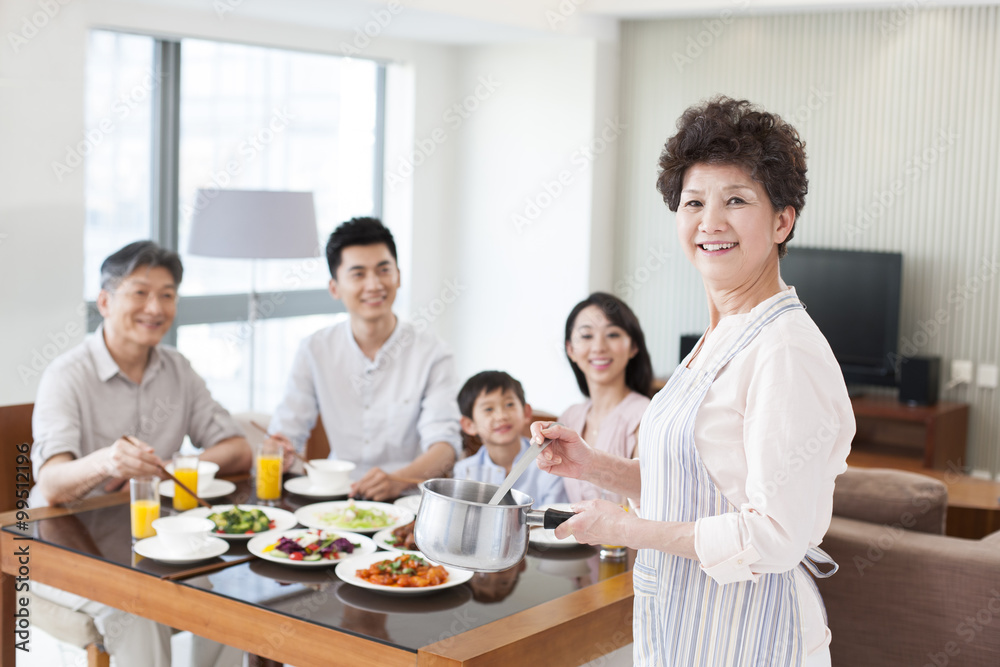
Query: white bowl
[[183, 534], [206, 473], [329, 473]]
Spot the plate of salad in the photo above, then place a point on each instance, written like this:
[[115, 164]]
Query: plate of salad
[[358, 516], [242, 522], [310, 547]]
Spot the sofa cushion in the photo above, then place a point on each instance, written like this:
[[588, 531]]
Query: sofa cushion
[[993, 539], [892, 497]]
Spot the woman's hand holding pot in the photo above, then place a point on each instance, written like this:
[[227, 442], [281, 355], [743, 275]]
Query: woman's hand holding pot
[[567, 456], [597, 522]]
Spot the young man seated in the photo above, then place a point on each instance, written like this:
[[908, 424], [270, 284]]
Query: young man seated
[[384, 388], [493, 408], [121, 382]]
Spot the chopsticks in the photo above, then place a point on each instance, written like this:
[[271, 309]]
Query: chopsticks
[[295, 453], [171, 476], [205, 569]]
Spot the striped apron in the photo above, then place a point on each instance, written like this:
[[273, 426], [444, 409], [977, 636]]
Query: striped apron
[[682, 616]]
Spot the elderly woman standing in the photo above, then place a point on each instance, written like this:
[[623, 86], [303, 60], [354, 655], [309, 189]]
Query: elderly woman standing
[[738, 453]]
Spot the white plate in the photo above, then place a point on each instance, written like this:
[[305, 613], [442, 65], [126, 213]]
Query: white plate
[[283, 519], [543, 537], [301, 486], [411, 503], [217, 488], [152, 547], [310, 516], [381, 540], [258, 543], [378, 603], [347, 569]]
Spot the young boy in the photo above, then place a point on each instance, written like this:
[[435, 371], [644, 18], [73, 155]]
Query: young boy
[[493, 408]]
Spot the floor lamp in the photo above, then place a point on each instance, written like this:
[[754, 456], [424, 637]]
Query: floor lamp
[[254, 224]]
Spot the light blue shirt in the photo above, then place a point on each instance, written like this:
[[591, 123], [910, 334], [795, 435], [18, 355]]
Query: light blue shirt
[[545, 488]]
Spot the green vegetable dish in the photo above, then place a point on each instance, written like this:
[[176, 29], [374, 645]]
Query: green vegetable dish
[[354, 517], [241, 522]]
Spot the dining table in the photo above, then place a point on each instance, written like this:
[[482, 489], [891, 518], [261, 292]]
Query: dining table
[[561, 605]]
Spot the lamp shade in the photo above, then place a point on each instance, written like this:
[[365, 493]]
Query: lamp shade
[[254, 224]]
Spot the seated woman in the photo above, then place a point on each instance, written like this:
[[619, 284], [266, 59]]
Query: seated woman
[[607, 351]]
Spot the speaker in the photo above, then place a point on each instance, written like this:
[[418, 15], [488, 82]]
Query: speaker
[[688, 341], [919, 380]]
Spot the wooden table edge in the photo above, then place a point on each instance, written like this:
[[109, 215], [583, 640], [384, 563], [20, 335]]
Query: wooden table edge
[[559, 631], [240, 624]]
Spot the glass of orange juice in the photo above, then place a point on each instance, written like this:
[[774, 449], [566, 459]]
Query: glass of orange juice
[[186, 470], [268, 471], [145, 506], [613, 550]]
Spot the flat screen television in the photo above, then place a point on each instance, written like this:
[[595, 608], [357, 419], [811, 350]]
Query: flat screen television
[[853, 296]]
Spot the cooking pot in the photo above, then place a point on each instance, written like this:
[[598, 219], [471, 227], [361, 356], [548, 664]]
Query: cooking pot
[[457, 526]]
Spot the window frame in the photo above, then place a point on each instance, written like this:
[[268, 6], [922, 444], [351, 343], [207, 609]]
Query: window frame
[[164, 202]]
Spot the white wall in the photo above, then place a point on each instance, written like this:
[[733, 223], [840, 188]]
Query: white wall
[[899, 114], [525, 194]]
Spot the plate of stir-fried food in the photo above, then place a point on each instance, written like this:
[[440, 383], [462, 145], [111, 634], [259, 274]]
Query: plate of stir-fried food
[[402, 574]]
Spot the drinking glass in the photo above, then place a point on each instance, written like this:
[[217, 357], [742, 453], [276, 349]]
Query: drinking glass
[[268, 471], [613, 551], [186, 470], [145, 506]]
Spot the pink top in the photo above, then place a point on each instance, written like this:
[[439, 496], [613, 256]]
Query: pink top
[[618, 436]]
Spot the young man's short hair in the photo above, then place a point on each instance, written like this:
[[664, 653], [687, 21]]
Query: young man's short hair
[[488, 382], [357, 231], [123, 263]]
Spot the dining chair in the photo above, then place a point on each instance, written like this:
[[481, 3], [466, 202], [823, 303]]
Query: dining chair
[[61, 623]]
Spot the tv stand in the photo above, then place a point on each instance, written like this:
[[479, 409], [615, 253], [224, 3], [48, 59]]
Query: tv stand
[[933, 434]]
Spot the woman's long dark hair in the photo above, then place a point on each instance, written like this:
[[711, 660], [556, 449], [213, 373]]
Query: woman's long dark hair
[[639, 371]]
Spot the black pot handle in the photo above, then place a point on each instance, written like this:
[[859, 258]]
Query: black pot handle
[[555, 518]]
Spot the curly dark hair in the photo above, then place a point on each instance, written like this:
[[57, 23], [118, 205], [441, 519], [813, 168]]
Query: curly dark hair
[[639, 370], [728, 131]]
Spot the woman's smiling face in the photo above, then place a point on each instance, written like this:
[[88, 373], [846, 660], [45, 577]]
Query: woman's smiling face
[[600, 348], [727, 226]]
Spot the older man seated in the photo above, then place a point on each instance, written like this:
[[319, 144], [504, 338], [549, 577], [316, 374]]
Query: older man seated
[[122, 382]]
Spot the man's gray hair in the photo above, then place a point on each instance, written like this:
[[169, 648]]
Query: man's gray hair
[[122, 263]]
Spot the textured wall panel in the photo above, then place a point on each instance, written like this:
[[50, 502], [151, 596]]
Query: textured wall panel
[[900, 113]]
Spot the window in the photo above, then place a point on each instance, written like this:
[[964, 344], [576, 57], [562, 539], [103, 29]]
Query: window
[[246, 118]]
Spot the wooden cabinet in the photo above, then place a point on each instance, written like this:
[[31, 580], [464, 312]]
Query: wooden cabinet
[[934, 434]]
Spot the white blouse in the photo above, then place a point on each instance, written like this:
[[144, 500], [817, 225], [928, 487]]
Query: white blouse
[[773, 431]]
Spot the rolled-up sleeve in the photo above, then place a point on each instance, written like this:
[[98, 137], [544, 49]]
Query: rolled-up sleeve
[[296, 415], [56, 426], [797, 429], [439, 415]]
